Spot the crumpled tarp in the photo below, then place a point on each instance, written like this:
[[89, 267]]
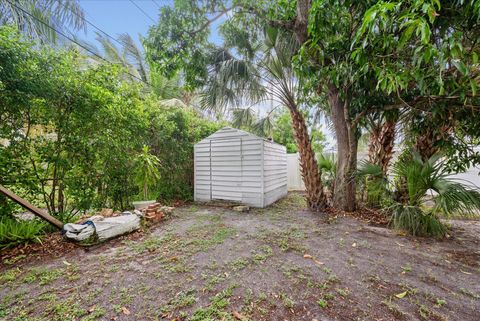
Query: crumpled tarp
[[104, 227]]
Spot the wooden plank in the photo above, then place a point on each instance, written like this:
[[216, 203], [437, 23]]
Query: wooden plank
[[35, 210]]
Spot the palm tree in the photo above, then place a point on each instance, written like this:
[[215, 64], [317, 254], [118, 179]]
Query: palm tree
[[430, 193], [128, 55], [264, 72], [33, 17]]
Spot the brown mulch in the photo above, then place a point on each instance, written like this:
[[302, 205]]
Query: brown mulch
[[367, 215]]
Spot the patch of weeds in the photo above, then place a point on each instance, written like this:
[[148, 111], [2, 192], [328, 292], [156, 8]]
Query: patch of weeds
[[65, 310], [394, 309], [332, 278], [289, 240], [322, 303], [47, 277], [14, 260], [203, 237], [287, 301], [148, 245], [48, 297], [44, 276], [343, 292], [291, 201], [114, 268], [217, 307], [212, 281], [181, 300], [296, 273], [125, 296], [470, 293], [262, 254], [10, 275], [95, 314], [238, 264], [175, 265], [424, 312], [440, 302], [407, 268]]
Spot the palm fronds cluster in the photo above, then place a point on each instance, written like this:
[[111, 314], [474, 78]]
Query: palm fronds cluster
[[420, 192]]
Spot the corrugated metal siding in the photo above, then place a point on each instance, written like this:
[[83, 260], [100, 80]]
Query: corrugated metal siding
[[231, 165], [274, 172]]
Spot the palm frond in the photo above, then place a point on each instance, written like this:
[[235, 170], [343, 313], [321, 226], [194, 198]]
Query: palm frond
[[243, 117], [264, 126], [33, 17], [135, 55]]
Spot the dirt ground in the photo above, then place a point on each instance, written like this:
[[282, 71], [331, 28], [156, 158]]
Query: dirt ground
[[280, 263]]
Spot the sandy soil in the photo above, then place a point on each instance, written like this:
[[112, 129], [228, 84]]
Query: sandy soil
[[280, 263]]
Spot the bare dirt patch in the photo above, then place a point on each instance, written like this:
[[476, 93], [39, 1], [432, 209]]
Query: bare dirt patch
[[279, 263]]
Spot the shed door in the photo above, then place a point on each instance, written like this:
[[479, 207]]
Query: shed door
[[226, 169]]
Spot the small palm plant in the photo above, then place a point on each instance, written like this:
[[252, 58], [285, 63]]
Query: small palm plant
[[147, 173], [428, 192], [328, 165]]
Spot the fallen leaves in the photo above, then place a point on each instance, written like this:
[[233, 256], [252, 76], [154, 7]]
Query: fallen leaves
[[125, 311], [239, 316], [308, 256], [401, 295]]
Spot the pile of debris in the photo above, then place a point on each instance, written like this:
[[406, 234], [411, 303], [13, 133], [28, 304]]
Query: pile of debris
[[154, 212], [108, 224]]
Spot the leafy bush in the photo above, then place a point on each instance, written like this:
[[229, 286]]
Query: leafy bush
[[14, 232], [373, 184]]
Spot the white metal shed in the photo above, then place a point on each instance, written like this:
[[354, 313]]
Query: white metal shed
[[234, 165]]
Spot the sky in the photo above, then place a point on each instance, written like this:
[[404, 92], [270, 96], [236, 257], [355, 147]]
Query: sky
[[120, 16]]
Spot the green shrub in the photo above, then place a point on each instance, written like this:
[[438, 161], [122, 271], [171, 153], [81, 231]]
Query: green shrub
[[14, 232], [416, 222], [422, 193]]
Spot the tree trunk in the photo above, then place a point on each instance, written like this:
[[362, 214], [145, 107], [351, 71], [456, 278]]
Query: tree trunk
[[344, 194], [380, 147], [311, 173]]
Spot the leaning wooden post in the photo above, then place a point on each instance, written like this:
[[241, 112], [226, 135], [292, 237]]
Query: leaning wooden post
[[35, 210]]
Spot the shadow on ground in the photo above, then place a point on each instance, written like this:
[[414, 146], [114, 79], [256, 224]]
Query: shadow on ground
[[280, 263]]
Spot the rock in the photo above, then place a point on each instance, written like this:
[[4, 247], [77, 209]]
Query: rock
[[241, 208]]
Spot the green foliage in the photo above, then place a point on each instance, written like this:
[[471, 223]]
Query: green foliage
[[433, 45], [423, 192], [146, 170], [374, 184], [33, 16], [282, 133], [328, 165], [14, 232], [415, 221], [69, 133]]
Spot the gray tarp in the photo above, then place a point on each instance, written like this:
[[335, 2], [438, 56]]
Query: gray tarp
[[104, 228]]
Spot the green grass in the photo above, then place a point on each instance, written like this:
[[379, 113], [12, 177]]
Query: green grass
[[181, 300], [217, 310]]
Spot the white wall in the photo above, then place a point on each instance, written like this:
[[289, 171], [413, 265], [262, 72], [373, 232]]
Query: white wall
[[294, 174], [274, 172]]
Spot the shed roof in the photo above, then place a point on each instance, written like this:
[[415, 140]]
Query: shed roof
[[234, 132]]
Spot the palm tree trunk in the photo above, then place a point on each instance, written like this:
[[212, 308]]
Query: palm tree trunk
[[380, 147], [311, 173], [344, 194]]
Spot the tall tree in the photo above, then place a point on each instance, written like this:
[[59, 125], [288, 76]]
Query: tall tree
[[425, 53], [239, 73], [325, 30]]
